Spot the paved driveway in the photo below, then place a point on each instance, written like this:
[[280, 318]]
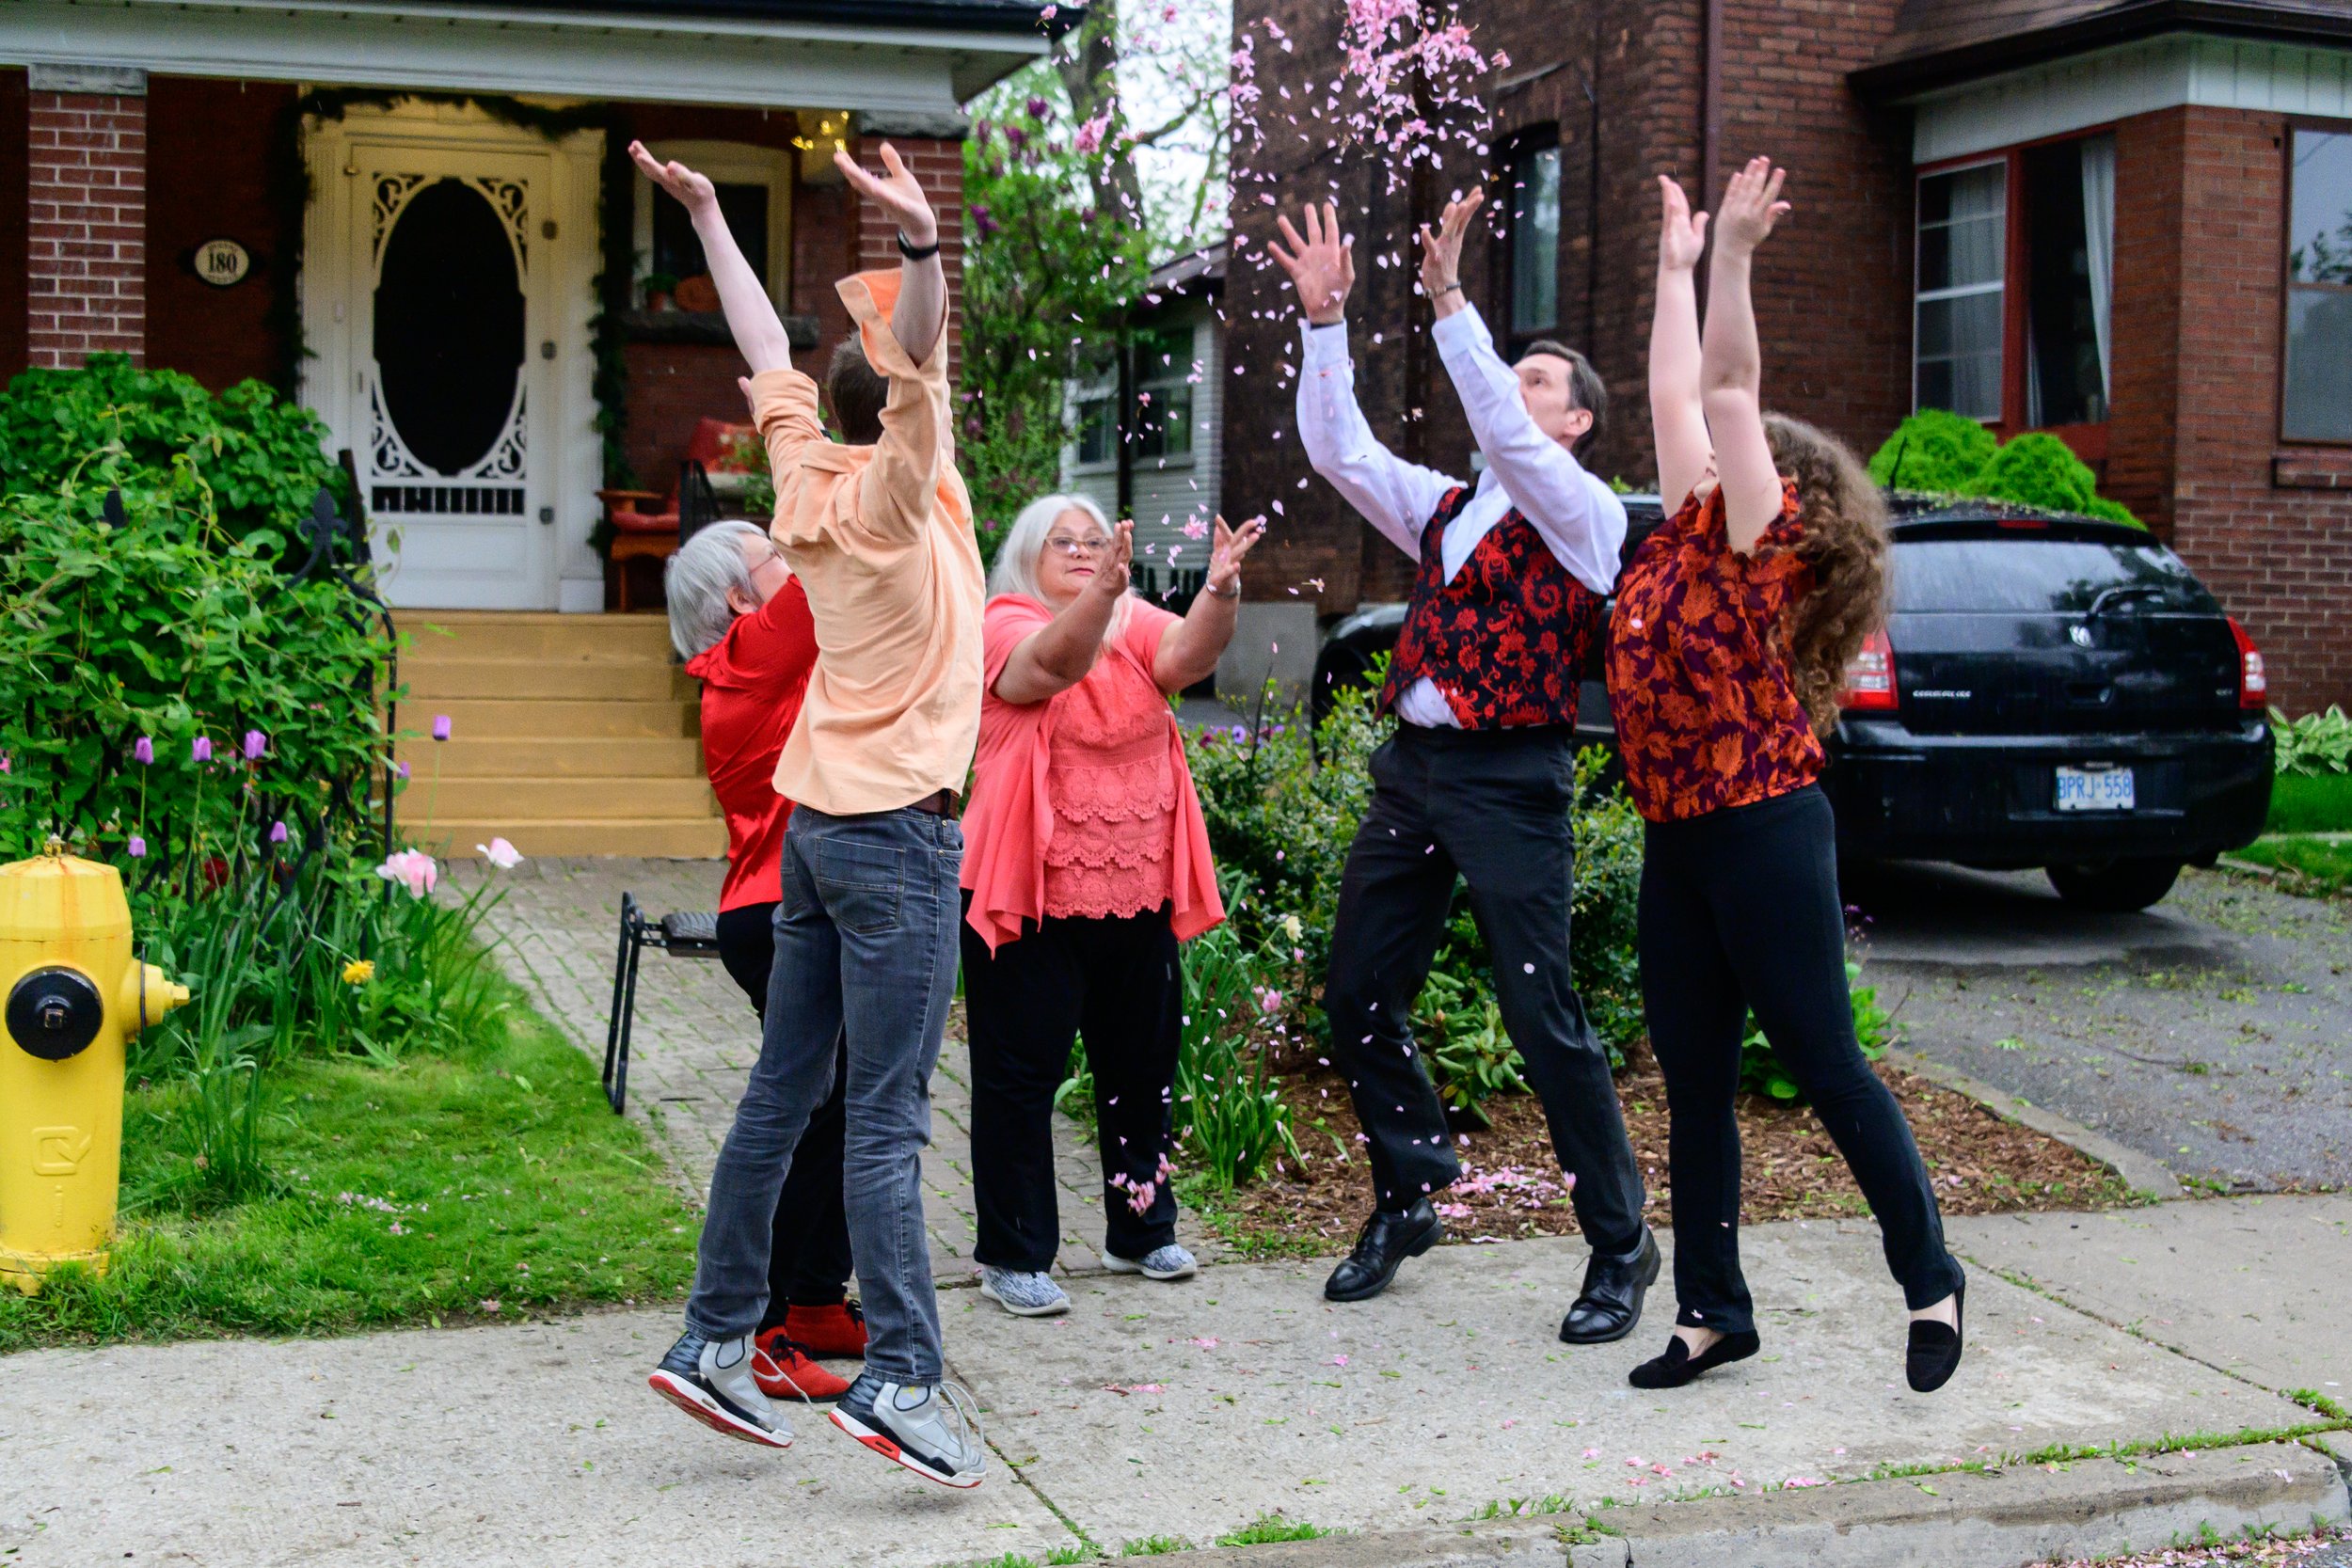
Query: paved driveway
[[2213, 1031]]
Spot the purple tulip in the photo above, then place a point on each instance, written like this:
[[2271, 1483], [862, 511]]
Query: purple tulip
[[255, 744], [1037, 109], [440, 727], [200, 748], [143, 751], [278, 832], [400, 771], [138, 847]]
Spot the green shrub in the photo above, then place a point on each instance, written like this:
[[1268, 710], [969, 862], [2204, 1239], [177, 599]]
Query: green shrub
[[1933, 449], [1760, 1072], [261, 458], [2317, 743], [1230, 1120], [2039, 469]]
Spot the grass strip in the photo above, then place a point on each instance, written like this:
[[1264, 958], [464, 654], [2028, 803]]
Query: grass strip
[[2305, 864]]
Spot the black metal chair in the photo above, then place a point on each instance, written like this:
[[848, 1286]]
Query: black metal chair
[[682, 934]]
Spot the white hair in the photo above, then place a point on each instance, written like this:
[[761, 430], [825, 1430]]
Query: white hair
[[1016, 559], [696, 580]]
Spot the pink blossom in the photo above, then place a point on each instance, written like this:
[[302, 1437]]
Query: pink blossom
[[1089, 137], [501, 854], [1270, 1001], [413, 869], [255, 744], [200, 748]]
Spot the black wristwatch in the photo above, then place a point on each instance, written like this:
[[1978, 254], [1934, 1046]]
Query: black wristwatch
[[917, 253]]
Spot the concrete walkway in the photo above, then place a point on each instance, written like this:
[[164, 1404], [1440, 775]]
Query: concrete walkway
[[1179, 1411]]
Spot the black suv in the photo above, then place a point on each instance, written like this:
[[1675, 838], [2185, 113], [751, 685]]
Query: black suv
[[2050, 690]]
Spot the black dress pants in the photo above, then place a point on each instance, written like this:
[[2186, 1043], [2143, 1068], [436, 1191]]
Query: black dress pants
[[1113, 982], [809, 1262], [1493, 806], [1739, 911]]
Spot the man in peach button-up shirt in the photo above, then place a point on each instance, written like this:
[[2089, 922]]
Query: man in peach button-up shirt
[[879, 530]]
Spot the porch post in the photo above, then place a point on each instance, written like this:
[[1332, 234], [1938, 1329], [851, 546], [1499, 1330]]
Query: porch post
[[86, 262]]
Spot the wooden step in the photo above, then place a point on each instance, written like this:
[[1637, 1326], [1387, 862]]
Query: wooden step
[[554, 719], [466, 756], [627, 680], [522, 801], [680, 838], [488, 634]]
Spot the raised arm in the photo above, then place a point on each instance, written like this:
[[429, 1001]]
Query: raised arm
[[1678, 421], [1395, 497], [1731, 366], [759, 335], [920, 317], [1189, 650], [1056, 655]]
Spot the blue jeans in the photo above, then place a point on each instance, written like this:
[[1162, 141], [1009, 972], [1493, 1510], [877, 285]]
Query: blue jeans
[[865, 950]]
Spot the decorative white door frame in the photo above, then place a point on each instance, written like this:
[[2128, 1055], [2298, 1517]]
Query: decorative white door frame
[[555, 224]]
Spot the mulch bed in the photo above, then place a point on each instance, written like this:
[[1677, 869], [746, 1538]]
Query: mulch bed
[[1511, 1186]]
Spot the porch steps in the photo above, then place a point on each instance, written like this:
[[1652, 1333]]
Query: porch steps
[[571, 735]]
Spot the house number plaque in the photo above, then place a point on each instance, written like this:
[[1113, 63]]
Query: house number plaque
[[222, 263]]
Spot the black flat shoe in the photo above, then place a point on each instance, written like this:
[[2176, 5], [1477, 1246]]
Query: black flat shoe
[[1679, 1366], [1612, 1302], [1934, 1352], [1381, 1247]]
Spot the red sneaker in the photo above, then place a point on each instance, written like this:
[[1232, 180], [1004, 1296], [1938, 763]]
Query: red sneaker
[[784, 1369], [839, 1330]]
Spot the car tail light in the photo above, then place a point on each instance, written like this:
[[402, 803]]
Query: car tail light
[[1870, 678], [2253, 686]]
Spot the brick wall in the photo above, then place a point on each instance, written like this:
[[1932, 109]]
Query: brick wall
[[2279, 558], [939, 167], [2144, 348], [203, 130], [86, 206], [12, 178]]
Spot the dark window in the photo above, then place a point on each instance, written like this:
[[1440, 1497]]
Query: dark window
[[449, 325], [2318, 401], [2042, 576], [1098, 427], [1532, 199], [677, 251], [1162, 375], [1963, 229], [2069, 201]]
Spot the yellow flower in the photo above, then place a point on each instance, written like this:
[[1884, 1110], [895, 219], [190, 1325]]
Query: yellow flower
[[358, 971]]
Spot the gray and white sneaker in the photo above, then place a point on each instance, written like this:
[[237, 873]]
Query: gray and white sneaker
[[1023, 1295], [711, 1381], [1165, 1263], [928, 1430]]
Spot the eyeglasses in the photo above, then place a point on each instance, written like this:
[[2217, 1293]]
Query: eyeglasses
[[1063, 545]]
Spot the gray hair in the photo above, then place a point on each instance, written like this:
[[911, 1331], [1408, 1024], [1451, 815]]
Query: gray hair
[[696, 580]]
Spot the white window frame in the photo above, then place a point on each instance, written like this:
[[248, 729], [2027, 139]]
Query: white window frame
[[1998, 286], [727, 162]]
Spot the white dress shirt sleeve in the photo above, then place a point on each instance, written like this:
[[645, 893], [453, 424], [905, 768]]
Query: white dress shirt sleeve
[[1395, 497], [1577, 514]]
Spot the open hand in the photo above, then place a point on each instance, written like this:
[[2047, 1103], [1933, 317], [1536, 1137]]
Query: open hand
[[1225, 553], [1322, 266], [895, 193], [1441, 253], [694, 190], [1681, 233], [1111, 567], [1750, 207]]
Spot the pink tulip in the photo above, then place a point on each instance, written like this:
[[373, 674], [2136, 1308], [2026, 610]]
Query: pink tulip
[[501, 854], [412, 869]]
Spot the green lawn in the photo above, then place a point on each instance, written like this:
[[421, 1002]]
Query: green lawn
[[2311, 803], [2314, 863], [477, 1184]]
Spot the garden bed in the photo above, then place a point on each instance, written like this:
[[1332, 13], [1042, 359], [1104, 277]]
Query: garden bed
[[1513, 1186]]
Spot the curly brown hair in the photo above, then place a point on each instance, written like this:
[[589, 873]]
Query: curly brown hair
[[1844, 541]]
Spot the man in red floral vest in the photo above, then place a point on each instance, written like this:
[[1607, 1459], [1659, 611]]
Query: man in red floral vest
[[1507, 606]]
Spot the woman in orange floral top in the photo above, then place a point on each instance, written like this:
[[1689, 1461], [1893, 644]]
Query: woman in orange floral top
[[1727, 646]]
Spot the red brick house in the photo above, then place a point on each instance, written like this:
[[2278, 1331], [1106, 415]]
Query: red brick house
[[420, 219], [2125, 221]]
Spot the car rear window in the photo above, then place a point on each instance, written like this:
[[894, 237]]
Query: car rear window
[[2026, 574]]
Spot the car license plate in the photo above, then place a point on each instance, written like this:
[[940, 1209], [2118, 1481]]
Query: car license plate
[[2094, 789]]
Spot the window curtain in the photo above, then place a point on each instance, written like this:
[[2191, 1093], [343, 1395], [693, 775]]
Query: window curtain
[[2099, 241]]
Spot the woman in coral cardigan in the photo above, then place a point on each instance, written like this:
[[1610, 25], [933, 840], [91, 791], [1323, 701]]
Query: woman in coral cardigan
[[1086, 861]]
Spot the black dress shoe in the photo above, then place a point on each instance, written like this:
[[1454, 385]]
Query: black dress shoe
[[1934, 1352], [1612, 1302], [1679, 1366], [1381, 1248]]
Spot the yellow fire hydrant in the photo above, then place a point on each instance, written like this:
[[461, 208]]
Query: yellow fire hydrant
[[73, 993]]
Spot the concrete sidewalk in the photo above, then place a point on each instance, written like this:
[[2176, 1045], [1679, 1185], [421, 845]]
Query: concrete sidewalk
[[1186, 1411]]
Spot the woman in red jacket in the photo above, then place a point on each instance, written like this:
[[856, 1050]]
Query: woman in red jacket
[[740, 621], [1727, 648]]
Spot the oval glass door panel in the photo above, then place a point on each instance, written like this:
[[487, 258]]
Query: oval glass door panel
[[449, 325]]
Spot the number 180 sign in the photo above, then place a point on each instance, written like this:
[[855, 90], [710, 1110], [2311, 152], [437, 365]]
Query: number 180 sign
[[221, 263]]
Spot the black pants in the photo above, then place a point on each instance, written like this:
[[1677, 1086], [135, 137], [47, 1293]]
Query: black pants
[[1739, 909], [1492, 806], [1115, 983], [808, 1264]]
